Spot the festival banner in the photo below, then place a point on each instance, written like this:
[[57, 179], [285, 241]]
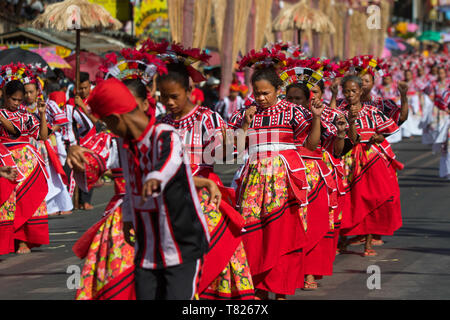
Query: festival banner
[[119, 9], [151, 19]]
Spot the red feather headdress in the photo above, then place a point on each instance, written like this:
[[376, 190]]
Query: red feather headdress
[[175, 53], [365, 64], [134, 65], [264, 58], [291, 50], [24, 73]]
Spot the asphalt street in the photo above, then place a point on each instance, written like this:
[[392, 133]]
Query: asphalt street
[[412, 264]]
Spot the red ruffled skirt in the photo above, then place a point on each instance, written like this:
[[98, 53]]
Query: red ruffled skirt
[[108, 272], [225, 270], [374, 193], [320, 250], [23, 216], [274, 236]]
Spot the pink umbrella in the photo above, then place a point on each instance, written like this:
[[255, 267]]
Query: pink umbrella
[[51, 57], [386, 53], [89, 62], [400, 45]]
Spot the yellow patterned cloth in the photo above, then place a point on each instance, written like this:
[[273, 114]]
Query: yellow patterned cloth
[[235, 281]]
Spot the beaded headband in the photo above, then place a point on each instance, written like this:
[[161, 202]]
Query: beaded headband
[[134, 65], [362, 65], [24, 73]]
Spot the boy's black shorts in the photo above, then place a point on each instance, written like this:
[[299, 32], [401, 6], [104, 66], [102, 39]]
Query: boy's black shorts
[[172, 283]]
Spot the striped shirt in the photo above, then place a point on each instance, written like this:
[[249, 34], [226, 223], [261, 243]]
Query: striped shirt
[[27, 124], [199, 131], [371, 120], [284, 124], [170, 226], [54, 114], [387, 106], [79, 124]]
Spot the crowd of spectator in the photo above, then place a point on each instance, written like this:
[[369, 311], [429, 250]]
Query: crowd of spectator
[[25, 9]]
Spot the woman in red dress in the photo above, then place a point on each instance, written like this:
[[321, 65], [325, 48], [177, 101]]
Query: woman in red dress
[[273, 192], [225, 271], [25, 210], [319, 258], [370, 166]]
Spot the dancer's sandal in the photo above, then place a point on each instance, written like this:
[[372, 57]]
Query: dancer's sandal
[[356, 241], [309, 286], [370, 253], [377, 242], [23, 249]]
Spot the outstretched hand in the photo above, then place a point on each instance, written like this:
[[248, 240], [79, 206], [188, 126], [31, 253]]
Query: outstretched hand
[[402, 87], [341, 125], [353, 114], [376, 138], [317, 107], [215, 194], [75, 157], [41, 106], [227, 138], [335, 86], [151, 188], [249, 115], [9, 173]]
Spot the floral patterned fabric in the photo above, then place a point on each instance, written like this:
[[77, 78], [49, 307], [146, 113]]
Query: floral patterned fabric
[[235, 281], [264, 188], [313, 177], [355, 161], [109, 256], [26, 162]]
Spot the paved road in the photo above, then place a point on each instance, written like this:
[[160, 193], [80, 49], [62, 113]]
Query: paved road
[[414, 263]]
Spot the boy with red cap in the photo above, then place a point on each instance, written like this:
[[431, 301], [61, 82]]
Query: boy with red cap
[[161, 203]]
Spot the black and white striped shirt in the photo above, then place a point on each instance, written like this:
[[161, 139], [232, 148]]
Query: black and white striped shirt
[[170, 226]]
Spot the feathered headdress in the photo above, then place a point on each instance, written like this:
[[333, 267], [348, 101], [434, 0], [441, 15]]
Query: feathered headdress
[[309, 71], [305, 75], [264, 58], [24, 73], [176, 53], [364, 64], [134, 65], [291, 50]]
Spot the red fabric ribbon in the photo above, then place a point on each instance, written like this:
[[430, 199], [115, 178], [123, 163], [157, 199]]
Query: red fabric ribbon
[[54, 160]]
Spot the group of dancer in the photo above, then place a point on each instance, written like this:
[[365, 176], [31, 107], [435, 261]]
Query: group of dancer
[[422, 83], [173, 230]]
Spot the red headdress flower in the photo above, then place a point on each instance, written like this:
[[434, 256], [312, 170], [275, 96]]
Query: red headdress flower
[[264, 58], [176, 53], [364, 64], [291, 50], [134, 65], [24, 73]]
